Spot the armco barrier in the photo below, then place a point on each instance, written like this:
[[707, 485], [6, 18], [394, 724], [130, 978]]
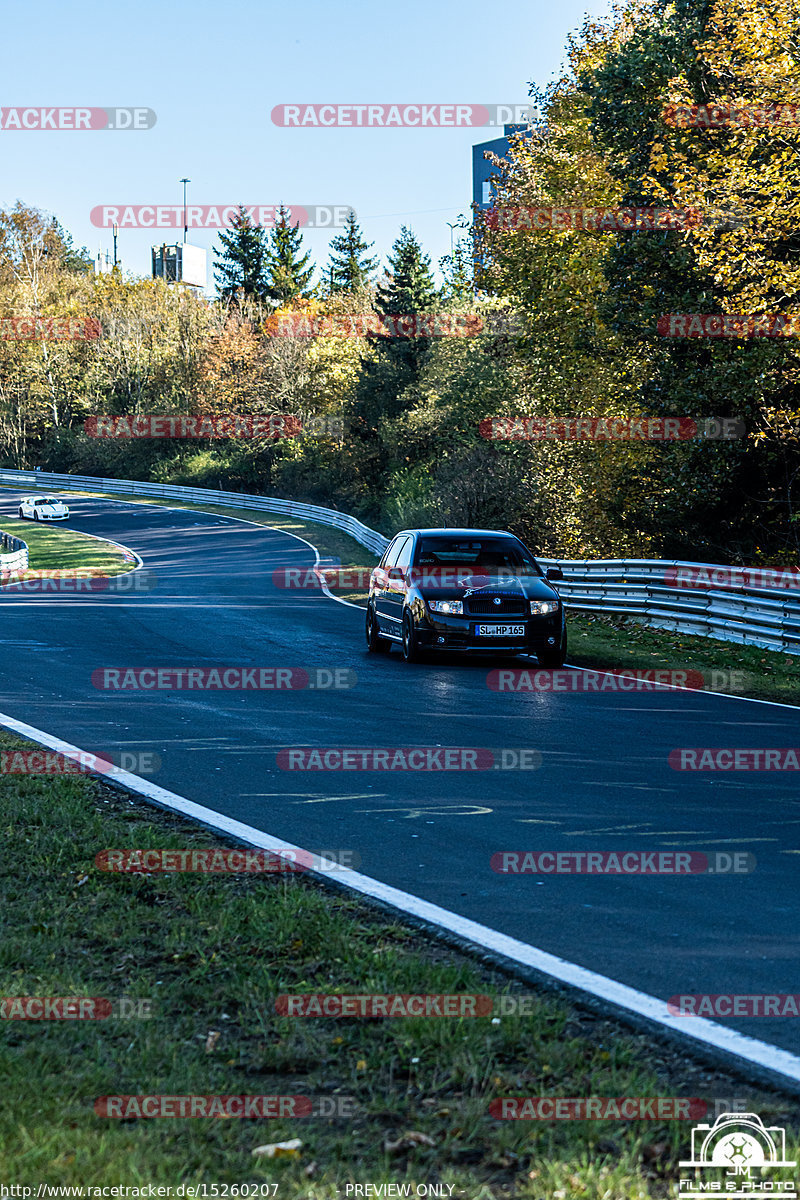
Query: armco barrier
[[365, 536], [13, 554], [637, 588]]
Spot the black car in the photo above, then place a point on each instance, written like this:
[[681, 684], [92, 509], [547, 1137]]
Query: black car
[[476, 590]]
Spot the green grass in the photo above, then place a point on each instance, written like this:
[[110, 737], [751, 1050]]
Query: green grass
[[616, 643], [213, 952], [57, 547]]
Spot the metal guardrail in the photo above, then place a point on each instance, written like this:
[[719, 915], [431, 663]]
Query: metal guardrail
[[638, 588], [374, 541], [13, 554], [643, 588]]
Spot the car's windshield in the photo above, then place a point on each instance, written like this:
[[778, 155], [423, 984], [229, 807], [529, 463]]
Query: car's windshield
[[44, 500], [479, 554]]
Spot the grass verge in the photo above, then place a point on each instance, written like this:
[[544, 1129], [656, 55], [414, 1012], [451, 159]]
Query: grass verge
[[623, 644], [211, 953], [55, 547]]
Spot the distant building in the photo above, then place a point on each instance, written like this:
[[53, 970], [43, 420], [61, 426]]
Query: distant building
[[483, 170], [180, 264], [104, 264]]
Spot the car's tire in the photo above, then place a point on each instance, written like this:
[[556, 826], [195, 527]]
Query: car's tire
[[35, 515], [554, 658], [375, 643], [412, 651], [21, 514]]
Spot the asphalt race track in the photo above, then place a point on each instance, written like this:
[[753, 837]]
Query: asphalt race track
[[604, 783]]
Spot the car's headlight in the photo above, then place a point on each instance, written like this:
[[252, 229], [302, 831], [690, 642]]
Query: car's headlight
[[540, 607], [454, 607]]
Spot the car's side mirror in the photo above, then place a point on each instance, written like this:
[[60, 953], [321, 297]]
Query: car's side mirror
[[397, 573], [554, 573]]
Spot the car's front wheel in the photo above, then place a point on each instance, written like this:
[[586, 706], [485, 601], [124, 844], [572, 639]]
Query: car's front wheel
[[375, 643], [552, 657], [35, 515], [21, 514], [412, 651]]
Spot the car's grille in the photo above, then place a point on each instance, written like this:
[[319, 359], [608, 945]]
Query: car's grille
[[479, 606]]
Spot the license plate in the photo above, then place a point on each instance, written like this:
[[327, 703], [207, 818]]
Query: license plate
[[500, 631]]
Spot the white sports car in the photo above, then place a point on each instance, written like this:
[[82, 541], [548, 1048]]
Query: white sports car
[[43, 508]]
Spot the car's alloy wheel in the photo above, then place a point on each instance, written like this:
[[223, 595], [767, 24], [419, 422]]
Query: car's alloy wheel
[[411, 647], [35, 515], [375, 643], [554, 658], [21, 515]]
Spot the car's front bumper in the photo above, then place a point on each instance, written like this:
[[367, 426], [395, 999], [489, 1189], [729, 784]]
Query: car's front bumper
[[440, 632]]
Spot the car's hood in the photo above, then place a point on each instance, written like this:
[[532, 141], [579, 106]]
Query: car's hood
[[466, 584]]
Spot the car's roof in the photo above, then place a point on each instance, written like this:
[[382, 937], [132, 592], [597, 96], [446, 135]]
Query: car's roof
[[459, 533]]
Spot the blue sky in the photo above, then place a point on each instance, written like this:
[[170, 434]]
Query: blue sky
[[213, 75]]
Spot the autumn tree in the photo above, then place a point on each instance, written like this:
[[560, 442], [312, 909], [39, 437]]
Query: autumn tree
[[743, 177]]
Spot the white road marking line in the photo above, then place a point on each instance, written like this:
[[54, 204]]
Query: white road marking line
[[654, 1010]]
